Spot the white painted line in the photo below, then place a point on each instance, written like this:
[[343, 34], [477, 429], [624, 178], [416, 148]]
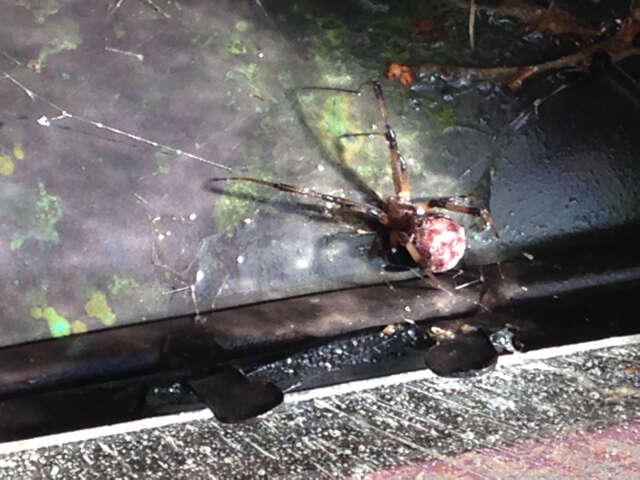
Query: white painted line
[[104, 431], [503, 361], [296, 397]]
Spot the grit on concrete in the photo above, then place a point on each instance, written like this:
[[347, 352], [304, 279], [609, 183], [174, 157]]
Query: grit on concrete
[[568, 412]]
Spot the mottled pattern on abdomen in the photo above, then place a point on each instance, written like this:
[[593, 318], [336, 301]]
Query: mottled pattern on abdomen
[[441, 243]]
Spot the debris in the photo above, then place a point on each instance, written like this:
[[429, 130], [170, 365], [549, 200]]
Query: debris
[[618, 47]]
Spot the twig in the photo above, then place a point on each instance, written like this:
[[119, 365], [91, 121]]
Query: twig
[[618, 47]]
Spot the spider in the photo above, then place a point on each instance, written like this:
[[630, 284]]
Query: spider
[[435, 242]]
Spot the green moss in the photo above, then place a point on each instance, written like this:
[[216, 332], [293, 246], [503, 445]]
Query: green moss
[[237, 47], [125, 286], [78, 326], [18, 151], [40, 8], [58, 325], [119, 31], [306, 96], [333, 32], [6, 165], [335, 121], [16, 241], [98, 307], [163, 162], [286, 80], [242, 26], [40, 220], [36, 295], [48, 212], [238, 202], [444, 118], [366, 172], [65, 37]]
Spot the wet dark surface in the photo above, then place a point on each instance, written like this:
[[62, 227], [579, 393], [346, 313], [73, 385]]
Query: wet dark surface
[[146, 370], [113, 117], [565, 415], [233, 398]]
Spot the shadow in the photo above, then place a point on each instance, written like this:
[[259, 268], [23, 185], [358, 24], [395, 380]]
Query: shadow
[[295, 206], [335, 160]]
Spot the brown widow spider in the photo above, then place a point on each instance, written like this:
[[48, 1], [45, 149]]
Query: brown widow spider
[[435, 242]]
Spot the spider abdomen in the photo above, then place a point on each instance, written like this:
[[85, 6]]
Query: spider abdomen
[[440, 242]]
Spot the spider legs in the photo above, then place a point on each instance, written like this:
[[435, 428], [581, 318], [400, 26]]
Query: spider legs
[[452, 204], [359, 207], [399, 169]]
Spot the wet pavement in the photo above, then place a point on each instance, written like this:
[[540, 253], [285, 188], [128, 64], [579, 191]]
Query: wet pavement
[[565, 412]]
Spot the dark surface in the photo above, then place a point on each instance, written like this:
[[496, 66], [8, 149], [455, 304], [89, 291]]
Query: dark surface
[[565, 415], [234, 398], [100, 102], [144, 370], [465, 354]]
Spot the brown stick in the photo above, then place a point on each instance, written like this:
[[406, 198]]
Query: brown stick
[[618, 47]]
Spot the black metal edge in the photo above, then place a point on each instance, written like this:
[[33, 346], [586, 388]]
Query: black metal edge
[[58, 385]]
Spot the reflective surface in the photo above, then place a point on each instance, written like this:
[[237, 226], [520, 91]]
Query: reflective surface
[[114, 114]]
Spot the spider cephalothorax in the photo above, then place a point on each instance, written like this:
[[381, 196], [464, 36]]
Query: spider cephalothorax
[[435, 242]]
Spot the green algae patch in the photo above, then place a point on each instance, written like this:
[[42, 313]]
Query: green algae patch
[[237, 47], [163, 162], [48, 212], [78, 326], [335, 121], [122, 286], [58, 325], [242, 26], [6, 165], [98, 307], [63, 36], [444, 118], [325, 49], [38, 219], [18, 151], [238, 202], [41, 9], [334, 33]]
